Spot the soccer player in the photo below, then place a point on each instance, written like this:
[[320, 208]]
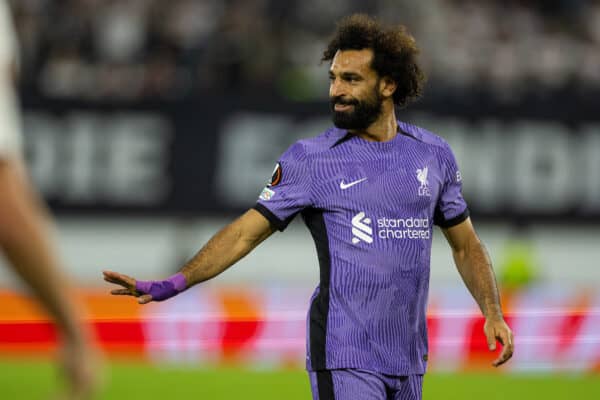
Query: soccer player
[[370, 190], [24, 237]]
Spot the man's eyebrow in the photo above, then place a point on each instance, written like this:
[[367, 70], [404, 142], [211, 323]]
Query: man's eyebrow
[[351, 75], [346, 74]]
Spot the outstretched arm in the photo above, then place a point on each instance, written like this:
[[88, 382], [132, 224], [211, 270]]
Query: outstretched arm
[[475, 268], [227, 247], [223, 250]]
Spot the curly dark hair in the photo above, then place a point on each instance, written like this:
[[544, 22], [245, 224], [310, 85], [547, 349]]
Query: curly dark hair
[[394, 53]]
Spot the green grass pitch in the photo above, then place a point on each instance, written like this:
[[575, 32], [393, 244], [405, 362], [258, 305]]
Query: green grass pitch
[[128, 380]]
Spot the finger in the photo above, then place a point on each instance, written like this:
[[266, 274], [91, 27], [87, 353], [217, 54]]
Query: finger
[[124, 292], [147, 298], [119, 279], [507, 350], [491, 340], [112, 277], [504, 357], [117, 282]]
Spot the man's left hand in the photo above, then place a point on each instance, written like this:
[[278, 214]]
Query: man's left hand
[[497, 329]]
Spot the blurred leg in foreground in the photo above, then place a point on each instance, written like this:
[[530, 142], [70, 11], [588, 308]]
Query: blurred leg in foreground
[[25, 241], [25, 238]]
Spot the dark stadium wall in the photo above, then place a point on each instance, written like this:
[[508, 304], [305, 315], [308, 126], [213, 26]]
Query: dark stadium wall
[[536, 160]]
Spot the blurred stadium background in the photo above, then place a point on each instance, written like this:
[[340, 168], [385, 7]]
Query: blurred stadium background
[[149, 124]]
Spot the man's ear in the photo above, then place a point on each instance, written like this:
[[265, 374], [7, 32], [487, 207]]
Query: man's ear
[[387, 86]]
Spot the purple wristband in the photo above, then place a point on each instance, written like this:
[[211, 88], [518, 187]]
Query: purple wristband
[[162, 290]]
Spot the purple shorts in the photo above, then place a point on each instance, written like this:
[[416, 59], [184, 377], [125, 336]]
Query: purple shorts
[[354, 384]]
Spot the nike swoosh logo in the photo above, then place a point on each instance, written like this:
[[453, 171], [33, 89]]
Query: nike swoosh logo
[[345, 186]]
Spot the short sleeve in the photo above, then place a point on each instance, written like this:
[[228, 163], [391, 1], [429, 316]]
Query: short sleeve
[[451, 208], [288, 191]]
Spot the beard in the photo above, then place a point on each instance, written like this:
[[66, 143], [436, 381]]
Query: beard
[[363, 114]]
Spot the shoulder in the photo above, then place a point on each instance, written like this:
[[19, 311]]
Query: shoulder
[[309, 147], [322, 142], [435, 144], [424, 136]]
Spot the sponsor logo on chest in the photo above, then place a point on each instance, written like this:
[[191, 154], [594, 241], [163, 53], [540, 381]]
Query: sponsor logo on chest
[[388, 228]]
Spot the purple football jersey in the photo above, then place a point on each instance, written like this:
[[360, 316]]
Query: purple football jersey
[[370, 207]]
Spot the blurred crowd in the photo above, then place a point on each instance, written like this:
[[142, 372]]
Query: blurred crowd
[[146, 49]]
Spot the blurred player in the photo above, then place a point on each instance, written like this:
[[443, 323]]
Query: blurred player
[[369, 190], [24, 231]]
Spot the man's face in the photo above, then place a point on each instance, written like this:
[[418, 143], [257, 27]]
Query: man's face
[[354, 90]]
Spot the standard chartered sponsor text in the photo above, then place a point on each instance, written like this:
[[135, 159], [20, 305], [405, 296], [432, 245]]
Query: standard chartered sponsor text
[[403, 228]]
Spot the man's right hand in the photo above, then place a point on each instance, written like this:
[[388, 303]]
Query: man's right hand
[[146, 291]]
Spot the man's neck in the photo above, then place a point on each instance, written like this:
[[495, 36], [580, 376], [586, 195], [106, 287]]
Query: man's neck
[[383, 129]]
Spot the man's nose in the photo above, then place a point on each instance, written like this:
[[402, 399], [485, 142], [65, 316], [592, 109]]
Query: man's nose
[[336, 88]]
